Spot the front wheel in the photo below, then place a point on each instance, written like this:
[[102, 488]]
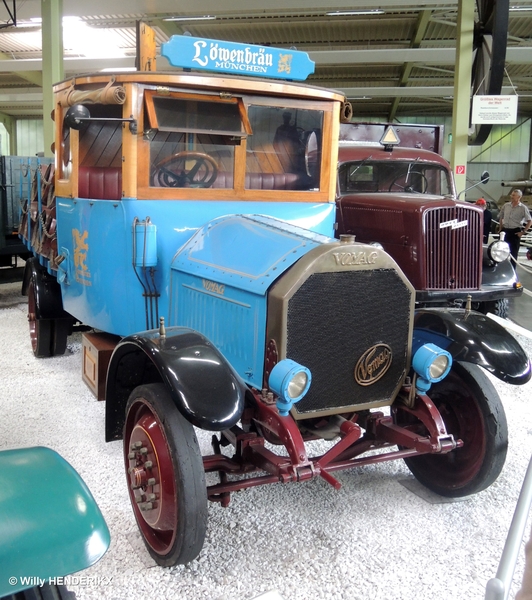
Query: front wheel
[[497, 307], [472, 411], [165, 475]]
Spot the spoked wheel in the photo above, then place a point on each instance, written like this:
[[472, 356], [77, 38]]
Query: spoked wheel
[[404, 183], [40, 329], [473, 412], [186, 169], [165, 474]]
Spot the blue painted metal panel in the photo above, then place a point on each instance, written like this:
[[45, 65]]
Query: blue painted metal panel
[[243, 59], [220, 278], [232, 319], [100, 286], [245, 251]]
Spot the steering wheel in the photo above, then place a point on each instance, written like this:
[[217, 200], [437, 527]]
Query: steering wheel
[[176, 170], [411, 189]]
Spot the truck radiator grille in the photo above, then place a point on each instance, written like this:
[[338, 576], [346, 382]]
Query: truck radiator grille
[[333, 319], [453, 260]]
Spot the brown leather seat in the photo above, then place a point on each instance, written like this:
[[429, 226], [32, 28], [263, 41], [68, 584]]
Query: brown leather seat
[[100, 183], [260, 181]]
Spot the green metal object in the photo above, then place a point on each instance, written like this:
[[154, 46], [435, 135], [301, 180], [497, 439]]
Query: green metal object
[[50, 525]]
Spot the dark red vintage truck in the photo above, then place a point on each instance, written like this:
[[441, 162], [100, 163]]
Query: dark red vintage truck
[[400, 193]]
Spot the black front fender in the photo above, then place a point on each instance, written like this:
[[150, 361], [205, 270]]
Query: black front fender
[[498, 275], [203, 385], [474, 338]]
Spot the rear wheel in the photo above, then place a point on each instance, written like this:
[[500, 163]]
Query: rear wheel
[[165, 475], [473, 412], [48, 337], [40, 329], [61, 331]]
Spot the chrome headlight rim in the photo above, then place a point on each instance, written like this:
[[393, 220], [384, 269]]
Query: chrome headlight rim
[[498, 251]]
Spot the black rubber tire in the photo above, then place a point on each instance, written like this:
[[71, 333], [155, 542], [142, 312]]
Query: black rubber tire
[[499, 307], [45, 592], [179, 520], [61, 331], [472, 411], [41, 330]]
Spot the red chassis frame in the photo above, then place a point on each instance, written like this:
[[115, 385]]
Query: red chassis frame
[[380, 432]]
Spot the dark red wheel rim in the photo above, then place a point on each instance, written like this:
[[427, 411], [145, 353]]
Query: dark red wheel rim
[[151, 478]]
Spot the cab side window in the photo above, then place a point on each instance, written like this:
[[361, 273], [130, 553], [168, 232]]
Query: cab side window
[[284, 151], [192, 141]]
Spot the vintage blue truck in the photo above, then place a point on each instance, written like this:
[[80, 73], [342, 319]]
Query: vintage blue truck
[[193, 218]]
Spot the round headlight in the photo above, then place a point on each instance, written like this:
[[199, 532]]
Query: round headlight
[[439, 367], [498, 251], [297, 385], [290, 381], [431, 362]]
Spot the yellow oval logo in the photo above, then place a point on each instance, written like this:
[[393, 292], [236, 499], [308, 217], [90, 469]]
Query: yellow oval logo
[[373, 364]]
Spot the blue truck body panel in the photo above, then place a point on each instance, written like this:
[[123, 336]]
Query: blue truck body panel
[[220, 279], [98, 282]]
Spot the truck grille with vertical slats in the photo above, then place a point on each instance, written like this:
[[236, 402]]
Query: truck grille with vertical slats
[[453, 260]]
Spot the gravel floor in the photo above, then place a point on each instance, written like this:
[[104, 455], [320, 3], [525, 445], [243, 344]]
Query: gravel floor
[[373, 539]]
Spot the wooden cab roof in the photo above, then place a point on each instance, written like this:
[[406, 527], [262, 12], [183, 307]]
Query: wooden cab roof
[[211, 81]]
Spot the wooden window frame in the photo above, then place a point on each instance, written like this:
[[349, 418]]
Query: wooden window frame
[[238, 192]]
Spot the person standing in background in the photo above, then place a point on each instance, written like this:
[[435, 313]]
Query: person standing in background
[[513, 215], [487, 219]]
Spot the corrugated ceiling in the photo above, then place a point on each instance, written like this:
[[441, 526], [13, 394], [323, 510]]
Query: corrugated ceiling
[[403, 26]]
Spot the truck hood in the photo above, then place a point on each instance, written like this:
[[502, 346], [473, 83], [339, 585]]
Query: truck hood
[[348, 152], [406, 203]]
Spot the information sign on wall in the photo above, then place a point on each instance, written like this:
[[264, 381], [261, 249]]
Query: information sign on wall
[[494, 110]]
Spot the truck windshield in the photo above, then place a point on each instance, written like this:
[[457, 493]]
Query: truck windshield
[[394, 177], [231, 143]]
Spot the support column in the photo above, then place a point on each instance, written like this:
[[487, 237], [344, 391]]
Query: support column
[[529, 174], [52, 63], [462, 91], [10, 124]]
